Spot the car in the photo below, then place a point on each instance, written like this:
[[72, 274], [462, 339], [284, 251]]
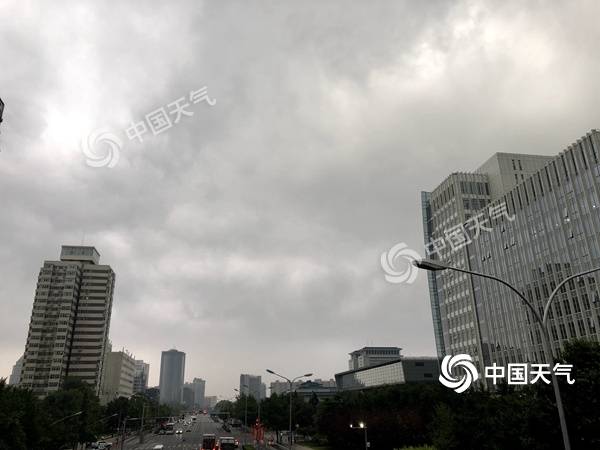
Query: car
[[227, 443], [189, 430], [158, 447], [101, 445], [178, 431], [161, 431], [209, 442]]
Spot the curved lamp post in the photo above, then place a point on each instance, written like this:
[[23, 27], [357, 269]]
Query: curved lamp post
[[435, 266], [291, 383], [362, 426]]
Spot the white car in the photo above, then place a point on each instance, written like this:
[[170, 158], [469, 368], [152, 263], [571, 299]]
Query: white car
[[158, 447]]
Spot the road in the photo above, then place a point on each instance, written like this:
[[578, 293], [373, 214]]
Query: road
[[187, 440]]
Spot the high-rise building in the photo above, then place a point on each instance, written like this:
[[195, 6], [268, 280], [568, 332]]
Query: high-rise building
[[68, 331], [140, 376], [263, 391], [118, 376], [251, 385], [547, 230], [210, 401], [15, 375], [370, 356], [172, 373], [199, 387], [188, 396]]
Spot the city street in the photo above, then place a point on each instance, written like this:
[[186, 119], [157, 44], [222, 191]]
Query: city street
[[191, 440]]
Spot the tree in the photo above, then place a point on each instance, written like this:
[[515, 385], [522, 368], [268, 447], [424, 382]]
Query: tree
[[20, 426]]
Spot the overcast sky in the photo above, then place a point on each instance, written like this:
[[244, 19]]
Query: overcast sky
[[249, 234]]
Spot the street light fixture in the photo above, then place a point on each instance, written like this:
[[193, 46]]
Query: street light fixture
[[291, 383], [428, 264], [362, 426]]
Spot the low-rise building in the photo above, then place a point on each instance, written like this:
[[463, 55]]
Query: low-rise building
[[399, 371], [372, 356], [118, 376]]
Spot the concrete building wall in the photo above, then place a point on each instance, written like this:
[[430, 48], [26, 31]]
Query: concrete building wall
[[118, 376]]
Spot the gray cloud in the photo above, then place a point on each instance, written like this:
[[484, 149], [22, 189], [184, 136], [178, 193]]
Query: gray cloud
[[249, 234]]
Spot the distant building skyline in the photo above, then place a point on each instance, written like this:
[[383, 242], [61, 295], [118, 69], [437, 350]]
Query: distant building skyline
[[199, 387], [172, 376], [252, 385], [141, 375]]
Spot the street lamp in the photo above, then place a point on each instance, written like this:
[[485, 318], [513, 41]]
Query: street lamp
[[363, 426], [435, 266], [291, 383]]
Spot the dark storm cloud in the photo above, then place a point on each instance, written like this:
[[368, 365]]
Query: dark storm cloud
[[248, 235]]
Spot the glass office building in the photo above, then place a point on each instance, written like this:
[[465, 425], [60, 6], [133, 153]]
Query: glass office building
[[551, 231], [546, 231], [399, 371]]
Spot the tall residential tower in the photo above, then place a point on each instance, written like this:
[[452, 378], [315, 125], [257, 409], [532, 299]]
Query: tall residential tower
[[68, 331]]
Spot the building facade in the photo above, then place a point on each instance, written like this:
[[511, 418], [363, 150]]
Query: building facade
[[140, 376], [188, 396], [451, 210], [371, 356], [172, 373], [15, 375], [251, 385], [548, 230], [399, 371], [210, 401], [199, 387], [118, 376], [69, 326]]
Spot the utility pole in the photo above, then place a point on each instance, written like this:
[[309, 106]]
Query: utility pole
[[123, 433], [142, 424]]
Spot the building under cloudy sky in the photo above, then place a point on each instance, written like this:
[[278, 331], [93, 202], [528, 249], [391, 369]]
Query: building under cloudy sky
[[259, 216]]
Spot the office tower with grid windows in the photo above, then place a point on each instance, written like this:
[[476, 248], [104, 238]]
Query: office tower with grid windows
[[550, 232], [68, 330], [452, 215]]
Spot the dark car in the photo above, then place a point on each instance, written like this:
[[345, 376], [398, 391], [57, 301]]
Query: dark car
[[209, 442]]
